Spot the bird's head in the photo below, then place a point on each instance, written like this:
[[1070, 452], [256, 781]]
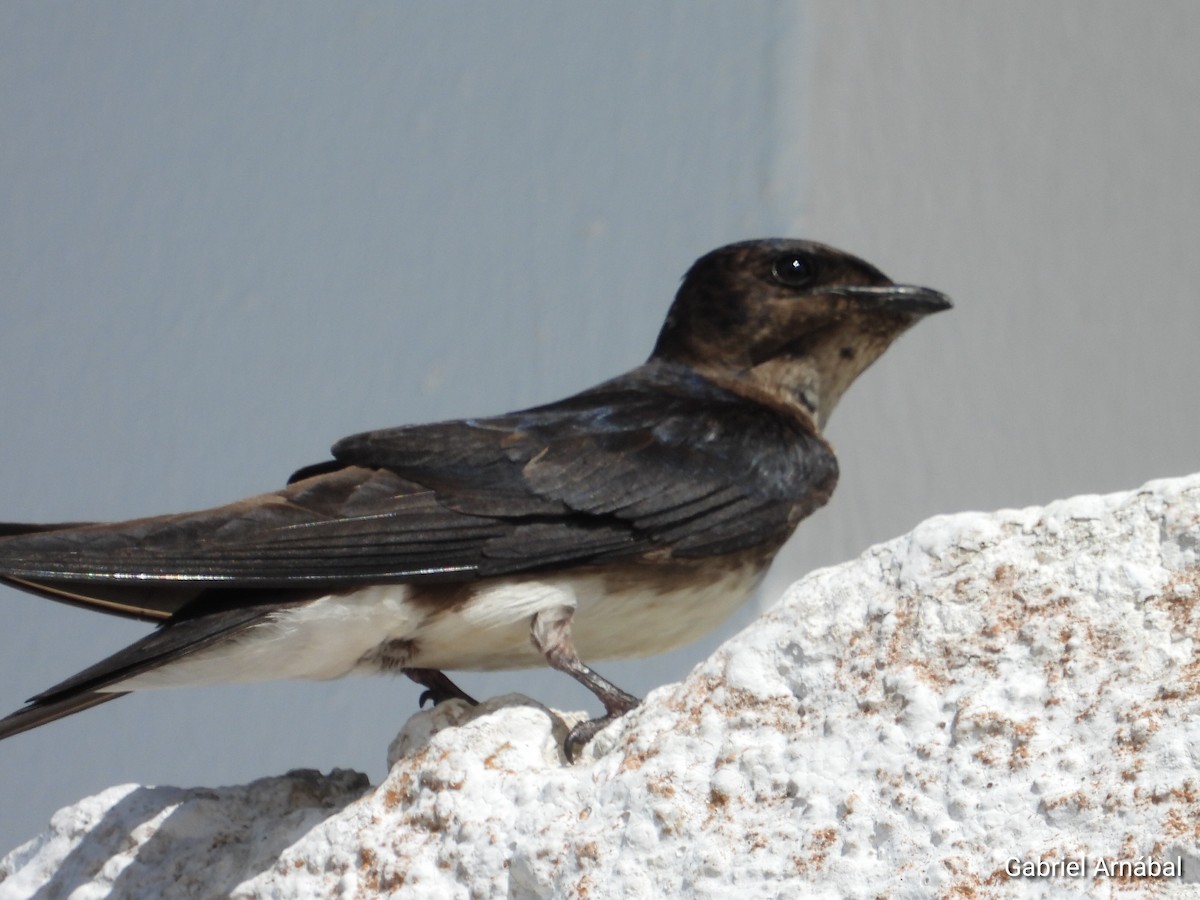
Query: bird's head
[[796, 319]]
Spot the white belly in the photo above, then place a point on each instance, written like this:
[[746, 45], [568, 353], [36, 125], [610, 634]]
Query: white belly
[[386, 627], [492, 631]]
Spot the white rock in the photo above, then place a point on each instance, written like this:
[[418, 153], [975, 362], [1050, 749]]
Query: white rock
[[1017, 686]]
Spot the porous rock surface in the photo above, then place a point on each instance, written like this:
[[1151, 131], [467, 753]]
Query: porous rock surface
[[1014, 686]]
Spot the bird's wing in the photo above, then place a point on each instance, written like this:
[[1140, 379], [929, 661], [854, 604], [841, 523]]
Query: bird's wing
[[354, 525], [640, 466], [657, 460]]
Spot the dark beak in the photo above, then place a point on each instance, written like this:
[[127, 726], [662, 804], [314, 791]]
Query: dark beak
[[904, 298]]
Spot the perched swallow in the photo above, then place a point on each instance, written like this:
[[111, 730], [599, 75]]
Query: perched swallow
[[622, 521]]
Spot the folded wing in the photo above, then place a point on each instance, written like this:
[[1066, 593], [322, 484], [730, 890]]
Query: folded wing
[[656, 463]]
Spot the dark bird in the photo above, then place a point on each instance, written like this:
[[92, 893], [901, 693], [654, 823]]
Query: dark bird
[[622, 521]]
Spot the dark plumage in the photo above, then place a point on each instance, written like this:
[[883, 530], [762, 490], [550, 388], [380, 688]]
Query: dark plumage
[[467, 544]]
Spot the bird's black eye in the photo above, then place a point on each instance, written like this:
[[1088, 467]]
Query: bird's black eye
[[792, 269]]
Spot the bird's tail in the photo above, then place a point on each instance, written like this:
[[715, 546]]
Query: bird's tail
[[41, 712], [12, 529]]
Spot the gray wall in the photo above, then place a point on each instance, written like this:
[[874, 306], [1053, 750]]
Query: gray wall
[[231, 234]]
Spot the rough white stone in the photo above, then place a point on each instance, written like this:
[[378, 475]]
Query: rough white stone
[[1020, 685]]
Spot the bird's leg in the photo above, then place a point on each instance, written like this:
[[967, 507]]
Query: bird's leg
[[551, 634], [438, 687]]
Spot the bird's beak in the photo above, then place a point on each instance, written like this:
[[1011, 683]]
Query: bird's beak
[[904, 298]]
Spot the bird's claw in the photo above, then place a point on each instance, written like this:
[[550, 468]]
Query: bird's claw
[[438, 688], [579, 736]]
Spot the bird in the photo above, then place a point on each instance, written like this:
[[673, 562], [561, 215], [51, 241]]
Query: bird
[[622, 521]]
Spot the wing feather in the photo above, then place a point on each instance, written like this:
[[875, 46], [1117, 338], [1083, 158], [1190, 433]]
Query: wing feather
[[658, 461]]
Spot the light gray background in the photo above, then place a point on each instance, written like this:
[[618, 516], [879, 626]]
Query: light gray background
[[230, 234]]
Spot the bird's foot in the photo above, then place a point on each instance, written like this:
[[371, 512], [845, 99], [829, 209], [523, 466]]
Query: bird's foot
[[551, 634], [616, 703], [438, 688], [579, 736]]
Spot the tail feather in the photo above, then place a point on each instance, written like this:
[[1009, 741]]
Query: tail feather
[[95, 685], [40, 712], [12, 529]]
